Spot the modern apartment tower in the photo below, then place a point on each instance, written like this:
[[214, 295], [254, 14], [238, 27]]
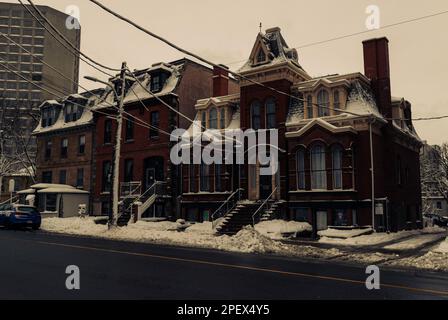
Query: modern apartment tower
[[19, 99]]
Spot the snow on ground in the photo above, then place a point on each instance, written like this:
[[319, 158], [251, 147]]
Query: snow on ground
[[415, 242], [443, 247], [344, 234], [277, 229], [430, 261], [380, 237]]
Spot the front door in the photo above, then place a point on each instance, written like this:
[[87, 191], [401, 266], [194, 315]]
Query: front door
[[152, 171], [150, 177], [265, 186], [321, 220]]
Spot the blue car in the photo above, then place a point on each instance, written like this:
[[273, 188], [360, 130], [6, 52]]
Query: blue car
[[18, 215]]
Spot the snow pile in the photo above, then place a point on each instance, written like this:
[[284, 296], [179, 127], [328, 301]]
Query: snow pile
[[415, 242], [443, 247], [75, 225], [429, 261], [278, 229], [344, 234]]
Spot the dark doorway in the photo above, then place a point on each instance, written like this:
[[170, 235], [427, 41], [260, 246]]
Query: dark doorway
[[152, 171], [265, 186]]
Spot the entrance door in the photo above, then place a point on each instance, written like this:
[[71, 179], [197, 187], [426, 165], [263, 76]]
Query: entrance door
[[265, 186], [152, 171], [321, 220]]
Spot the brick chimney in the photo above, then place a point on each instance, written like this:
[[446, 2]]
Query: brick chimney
[[220, 81], [376, 68]]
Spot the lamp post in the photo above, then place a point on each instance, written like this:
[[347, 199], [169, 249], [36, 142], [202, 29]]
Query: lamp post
[[116, 166]]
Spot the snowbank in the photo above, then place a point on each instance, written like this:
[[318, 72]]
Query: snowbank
[[344, 234], [278, 229], [443, 247]]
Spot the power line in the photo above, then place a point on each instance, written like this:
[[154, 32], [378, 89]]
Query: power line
[[66, 40], [209, 62], [359, 33], [62, 43]]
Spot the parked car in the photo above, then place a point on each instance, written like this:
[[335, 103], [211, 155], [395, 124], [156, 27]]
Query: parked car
[[437, 220], [12, 215]]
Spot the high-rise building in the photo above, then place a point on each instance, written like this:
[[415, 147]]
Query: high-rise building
[[19, 99]]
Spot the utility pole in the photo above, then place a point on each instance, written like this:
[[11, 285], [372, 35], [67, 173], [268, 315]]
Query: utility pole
[[116, 165], [372, 172]]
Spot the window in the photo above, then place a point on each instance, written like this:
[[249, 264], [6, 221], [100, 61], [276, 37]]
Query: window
[[205, 172], [309, 106], [301, 214], [337, 103], [63, 177], [255, 115], [155, 83], [318, 172], [82, 145], [203, 120], [336, 154], [48, 117], [155, 123], [108, 131], [340, 217], [218, 178], [80, 178], [261, 56], [47, 177], [222, 118], [72, 112], [213, 119], [50, 202], [323, 103], [105, 208], [48, 145], [107, 176], [128, 170], [129, 133], [192, 186], [300, 158], [64, 148], [270, 114], [439, 205]]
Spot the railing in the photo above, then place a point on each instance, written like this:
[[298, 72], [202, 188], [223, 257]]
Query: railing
[[10, 200], [130, 189], [227, 206], [157, 188], [265, 203]]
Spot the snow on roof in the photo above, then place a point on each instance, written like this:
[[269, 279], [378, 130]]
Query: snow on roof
[[361, 100], [26, 191], [51, 185], [278, 51], [62, 190], [60, 124]]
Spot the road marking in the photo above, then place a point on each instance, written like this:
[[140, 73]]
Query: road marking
[[234, 266]]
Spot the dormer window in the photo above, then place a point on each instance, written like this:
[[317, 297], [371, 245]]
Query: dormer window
[[213, 119], [155, 83], [48, 117], [72, 112], [261, 56]]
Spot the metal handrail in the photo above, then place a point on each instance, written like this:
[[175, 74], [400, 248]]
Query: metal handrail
[[151, 188], [10, 200], [262, 205], [238, 191]]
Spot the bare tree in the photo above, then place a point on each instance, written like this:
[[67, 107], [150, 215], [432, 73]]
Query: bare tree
[[434, 174]]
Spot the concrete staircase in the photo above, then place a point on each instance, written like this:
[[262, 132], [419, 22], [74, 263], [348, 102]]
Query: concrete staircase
[[237, 218]]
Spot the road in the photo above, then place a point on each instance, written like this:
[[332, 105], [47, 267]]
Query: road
[[33, 264]]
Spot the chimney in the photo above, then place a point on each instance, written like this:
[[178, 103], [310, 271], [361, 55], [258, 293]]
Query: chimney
[[220, 81], [376, 68]]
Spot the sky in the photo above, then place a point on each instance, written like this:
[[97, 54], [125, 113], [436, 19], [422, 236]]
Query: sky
[[225, 31]]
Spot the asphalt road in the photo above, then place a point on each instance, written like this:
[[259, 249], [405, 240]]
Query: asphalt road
[[33, 265]]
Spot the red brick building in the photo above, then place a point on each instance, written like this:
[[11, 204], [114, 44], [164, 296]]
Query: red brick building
[[325, 126], [145, 152]]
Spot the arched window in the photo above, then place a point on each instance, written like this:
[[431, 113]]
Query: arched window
[[261, 56], [213, 119], [271, 122], [318, 167], [300, 162], [309, 106], [336, 155], [323, 102], [204, 177], [255, 115], [336, 102]]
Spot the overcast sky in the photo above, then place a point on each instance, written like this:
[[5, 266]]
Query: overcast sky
[[224, 31]]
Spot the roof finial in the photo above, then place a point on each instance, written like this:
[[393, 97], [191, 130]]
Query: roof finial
[[261, 26]]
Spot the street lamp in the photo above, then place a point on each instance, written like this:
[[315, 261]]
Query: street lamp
[[116, 174]]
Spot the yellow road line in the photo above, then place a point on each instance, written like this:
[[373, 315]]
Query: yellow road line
[[298, 274]]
